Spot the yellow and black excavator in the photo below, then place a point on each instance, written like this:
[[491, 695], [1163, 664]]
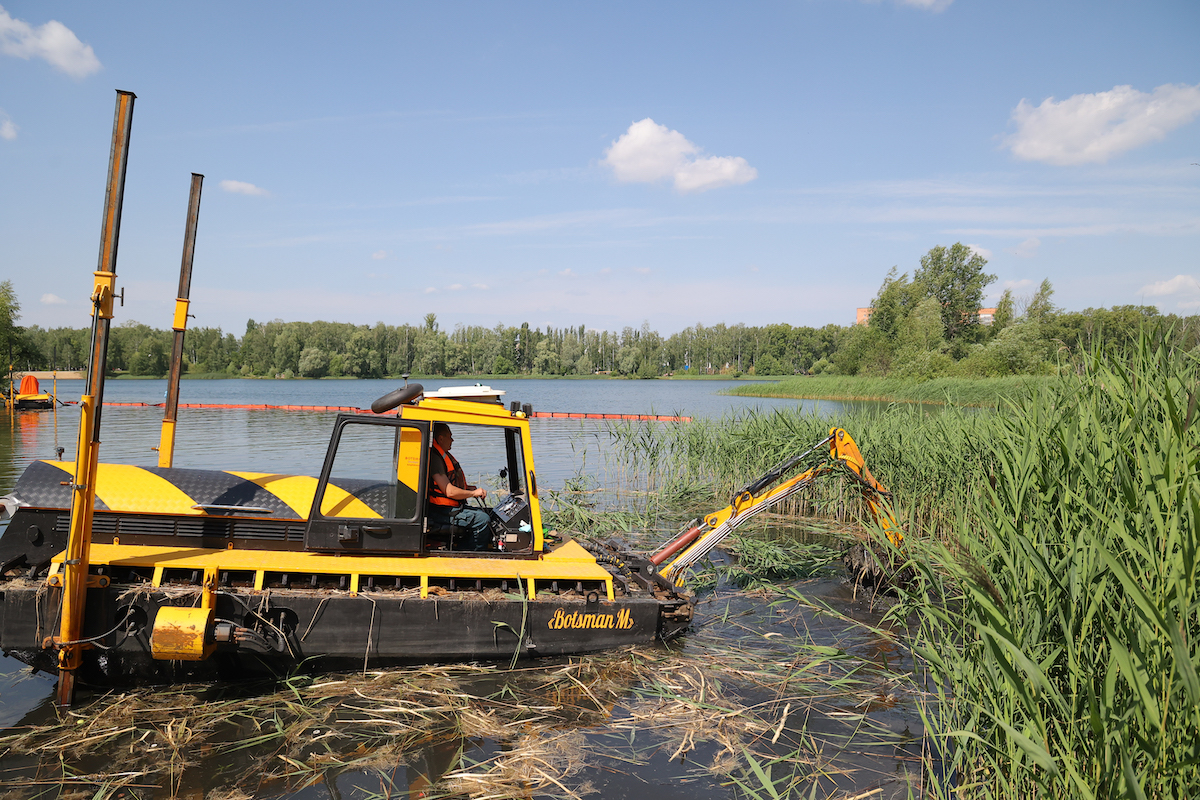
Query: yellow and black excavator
[[195, 574]]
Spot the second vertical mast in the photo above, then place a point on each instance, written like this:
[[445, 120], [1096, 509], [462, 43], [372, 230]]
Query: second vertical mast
[[166, 446]]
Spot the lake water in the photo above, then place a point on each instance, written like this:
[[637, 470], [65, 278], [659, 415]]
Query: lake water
[[294, 442], [730, 624]]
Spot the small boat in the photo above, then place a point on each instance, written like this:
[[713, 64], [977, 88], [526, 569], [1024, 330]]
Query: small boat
[[29, 396]]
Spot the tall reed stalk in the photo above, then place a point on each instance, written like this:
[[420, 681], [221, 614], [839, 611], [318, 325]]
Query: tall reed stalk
[[1060, 622]]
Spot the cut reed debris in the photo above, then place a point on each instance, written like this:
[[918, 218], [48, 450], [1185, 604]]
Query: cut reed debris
[[545, 729]]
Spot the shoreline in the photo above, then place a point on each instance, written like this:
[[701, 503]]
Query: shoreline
[[47, 375]]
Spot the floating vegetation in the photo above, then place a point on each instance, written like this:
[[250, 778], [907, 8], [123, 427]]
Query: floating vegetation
[[766, 562], [770, 685]]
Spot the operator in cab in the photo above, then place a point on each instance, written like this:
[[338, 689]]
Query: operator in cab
[[448, 492]]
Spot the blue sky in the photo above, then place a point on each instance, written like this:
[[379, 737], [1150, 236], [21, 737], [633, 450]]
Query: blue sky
[[601, 164]]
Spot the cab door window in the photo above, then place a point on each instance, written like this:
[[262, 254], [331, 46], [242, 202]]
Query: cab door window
[[369, 496]]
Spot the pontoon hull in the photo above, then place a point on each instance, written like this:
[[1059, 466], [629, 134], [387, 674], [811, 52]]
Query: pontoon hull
[[329, 630]]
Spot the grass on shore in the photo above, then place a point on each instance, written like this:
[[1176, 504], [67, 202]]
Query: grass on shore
[[949, 391]]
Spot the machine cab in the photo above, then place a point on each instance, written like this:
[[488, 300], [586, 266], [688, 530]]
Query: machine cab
[[371, 496]]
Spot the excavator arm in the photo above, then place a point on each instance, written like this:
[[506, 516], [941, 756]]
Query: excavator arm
[[769, 490]]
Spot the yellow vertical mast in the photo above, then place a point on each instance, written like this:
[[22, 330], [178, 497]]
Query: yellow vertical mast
[[75, 578], [166, 444]]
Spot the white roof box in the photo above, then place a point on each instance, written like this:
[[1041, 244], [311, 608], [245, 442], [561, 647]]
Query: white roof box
[[479, 393]]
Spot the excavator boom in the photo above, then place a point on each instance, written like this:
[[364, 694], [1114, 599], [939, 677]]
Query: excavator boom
[[766, 491]]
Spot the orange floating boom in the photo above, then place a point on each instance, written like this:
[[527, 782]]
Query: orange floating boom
[[353, 410]]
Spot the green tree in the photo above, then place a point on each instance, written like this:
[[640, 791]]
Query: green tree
[[584, 365], [922, 330], [359, 358], [1004, 315], [314, 362], [150, 358], [920, 354], [767, 364], [627, 360], [893, 303], [545, 360], [1039, 308], [955, 277], [10, 312], [287, 349]]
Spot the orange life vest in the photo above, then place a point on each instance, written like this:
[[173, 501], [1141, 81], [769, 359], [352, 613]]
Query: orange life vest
[[454, 474]]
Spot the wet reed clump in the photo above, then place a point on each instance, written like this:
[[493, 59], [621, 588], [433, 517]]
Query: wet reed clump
[[1065, 653], [765, 562]]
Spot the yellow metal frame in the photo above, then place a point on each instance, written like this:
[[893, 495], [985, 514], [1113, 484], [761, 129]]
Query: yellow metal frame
[[468, 412], [570, 562]]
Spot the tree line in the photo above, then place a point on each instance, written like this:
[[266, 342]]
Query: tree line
[[921, 327]]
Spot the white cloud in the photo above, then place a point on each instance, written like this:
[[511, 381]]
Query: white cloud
[[567, 272], [430, 290], [8, 128], [454, 287], [1180, 284], [1028, 248], [52, 300], [379, 255], [1087, 128], [483, 286], [241, 187], [927, 5], [52, 41], [642, 270], [649, 153], [981, 251], [1017, 286]]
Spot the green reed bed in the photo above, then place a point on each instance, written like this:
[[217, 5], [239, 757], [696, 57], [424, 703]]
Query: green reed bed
[[930, 461], [952, 391], [1060, 623]]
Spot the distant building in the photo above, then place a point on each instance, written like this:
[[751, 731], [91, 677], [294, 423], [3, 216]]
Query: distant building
[[986, 315]]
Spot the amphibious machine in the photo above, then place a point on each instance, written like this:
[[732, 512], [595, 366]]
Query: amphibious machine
[[198, 573]]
